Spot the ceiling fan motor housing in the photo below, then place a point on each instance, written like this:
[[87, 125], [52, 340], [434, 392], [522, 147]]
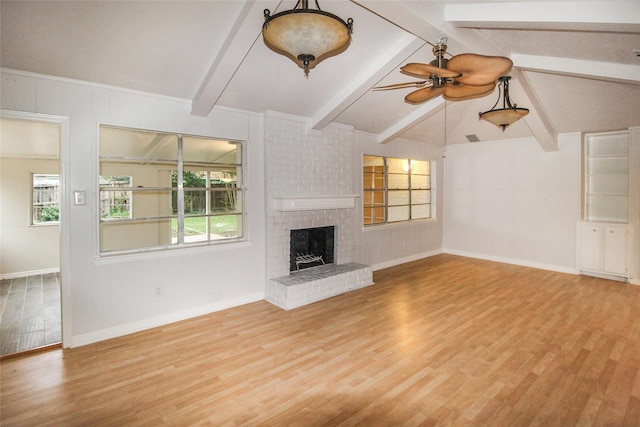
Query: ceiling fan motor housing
[[441, 62], [439, 50]]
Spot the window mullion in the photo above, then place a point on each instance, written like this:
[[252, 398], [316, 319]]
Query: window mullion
[[180, 193], [207, 209], [386, 190]]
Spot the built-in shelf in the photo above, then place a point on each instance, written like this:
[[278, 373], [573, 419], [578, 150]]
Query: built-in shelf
[[606, 177], [310, 203]]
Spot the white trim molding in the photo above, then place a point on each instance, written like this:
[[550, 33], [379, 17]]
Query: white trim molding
[[310, 203]]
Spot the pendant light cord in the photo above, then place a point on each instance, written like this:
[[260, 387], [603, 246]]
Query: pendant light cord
[[444, 153]]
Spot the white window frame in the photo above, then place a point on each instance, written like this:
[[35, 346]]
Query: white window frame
[[385, 191], [238, 210], [35, 204]]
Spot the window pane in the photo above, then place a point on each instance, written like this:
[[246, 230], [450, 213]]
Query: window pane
[[116, 236], [420, 167], [373, 215], [374, 162], [45, 198], [195, 229], [420, 211], [398, 198], [398, 213], [225, 201], [373, 180], [152, 203], [195, 202], [114, 201], [191, 179], [420, 196], [207, 150], [397, 165], [373, 198], [137, 144], [420, 181], [225, 226], [397, 181]]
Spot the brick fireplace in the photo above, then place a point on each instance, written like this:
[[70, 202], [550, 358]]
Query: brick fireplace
[[309, 183]]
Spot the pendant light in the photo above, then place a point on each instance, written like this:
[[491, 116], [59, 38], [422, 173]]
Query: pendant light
[[509, 113], [305, 34]]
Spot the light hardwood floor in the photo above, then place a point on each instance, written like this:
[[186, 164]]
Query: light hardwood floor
[[441, 341]]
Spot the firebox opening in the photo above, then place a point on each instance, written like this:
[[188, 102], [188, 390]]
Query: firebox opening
[[311, 247]]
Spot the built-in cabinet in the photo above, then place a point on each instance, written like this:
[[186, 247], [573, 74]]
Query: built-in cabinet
[[604, 233], [603, 249]]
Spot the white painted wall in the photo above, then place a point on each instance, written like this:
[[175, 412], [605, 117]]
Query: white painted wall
[[511, 201], [25, 249], [387, 245], [634, 201], [104, 298]]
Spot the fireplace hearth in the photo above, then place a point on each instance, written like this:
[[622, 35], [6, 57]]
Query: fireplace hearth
[[311, 247]]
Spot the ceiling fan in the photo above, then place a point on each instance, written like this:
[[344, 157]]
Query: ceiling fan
[[464, 76]]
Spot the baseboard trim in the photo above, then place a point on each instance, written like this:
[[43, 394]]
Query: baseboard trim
[[404, 260], [21, 274], [154, 322], [514, 261]]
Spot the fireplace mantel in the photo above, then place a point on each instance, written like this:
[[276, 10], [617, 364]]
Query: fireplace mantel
[[310, 203]]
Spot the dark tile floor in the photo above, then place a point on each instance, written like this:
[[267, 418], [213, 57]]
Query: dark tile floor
[[30, 312]]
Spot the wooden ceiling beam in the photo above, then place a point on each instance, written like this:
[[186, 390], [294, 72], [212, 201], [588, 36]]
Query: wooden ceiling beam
[[244, 33], [623, 73], [381, 66], [611, 15]]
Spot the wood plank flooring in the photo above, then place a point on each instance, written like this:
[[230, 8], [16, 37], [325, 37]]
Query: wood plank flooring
[[441, 341]]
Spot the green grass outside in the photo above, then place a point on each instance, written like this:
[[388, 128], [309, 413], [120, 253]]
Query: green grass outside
[[194, 226]]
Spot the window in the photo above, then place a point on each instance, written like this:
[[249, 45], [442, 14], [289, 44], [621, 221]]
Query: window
[[45, 199], [395, 190], [115, 200], [161, 190]]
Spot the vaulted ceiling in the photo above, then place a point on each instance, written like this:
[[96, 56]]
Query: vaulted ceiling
[[576, 63]]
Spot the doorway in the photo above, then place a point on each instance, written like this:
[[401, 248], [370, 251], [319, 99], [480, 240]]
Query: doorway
[[30, 230]]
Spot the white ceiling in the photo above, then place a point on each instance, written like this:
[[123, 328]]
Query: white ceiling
[[574, 62]]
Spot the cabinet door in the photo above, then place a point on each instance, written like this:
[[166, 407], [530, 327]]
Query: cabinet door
[[615, 250], [591, 243]]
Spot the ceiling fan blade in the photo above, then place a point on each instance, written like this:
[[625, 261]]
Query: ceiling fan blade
[[461, 92], [426, 70], [403, 85], [424, 94], [479, 70]]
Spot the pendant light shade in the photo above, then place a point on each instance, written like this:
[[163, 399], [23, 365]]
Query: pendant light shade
[[305, 34], [509, 113]]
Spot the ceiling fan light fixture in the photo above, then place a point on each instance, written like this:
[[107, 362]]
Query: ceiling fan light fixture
[[509, 113], [306, 34]]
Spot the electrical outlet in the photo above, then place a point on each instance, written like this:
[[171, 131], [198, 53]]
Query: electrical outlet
[[157, 291]]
